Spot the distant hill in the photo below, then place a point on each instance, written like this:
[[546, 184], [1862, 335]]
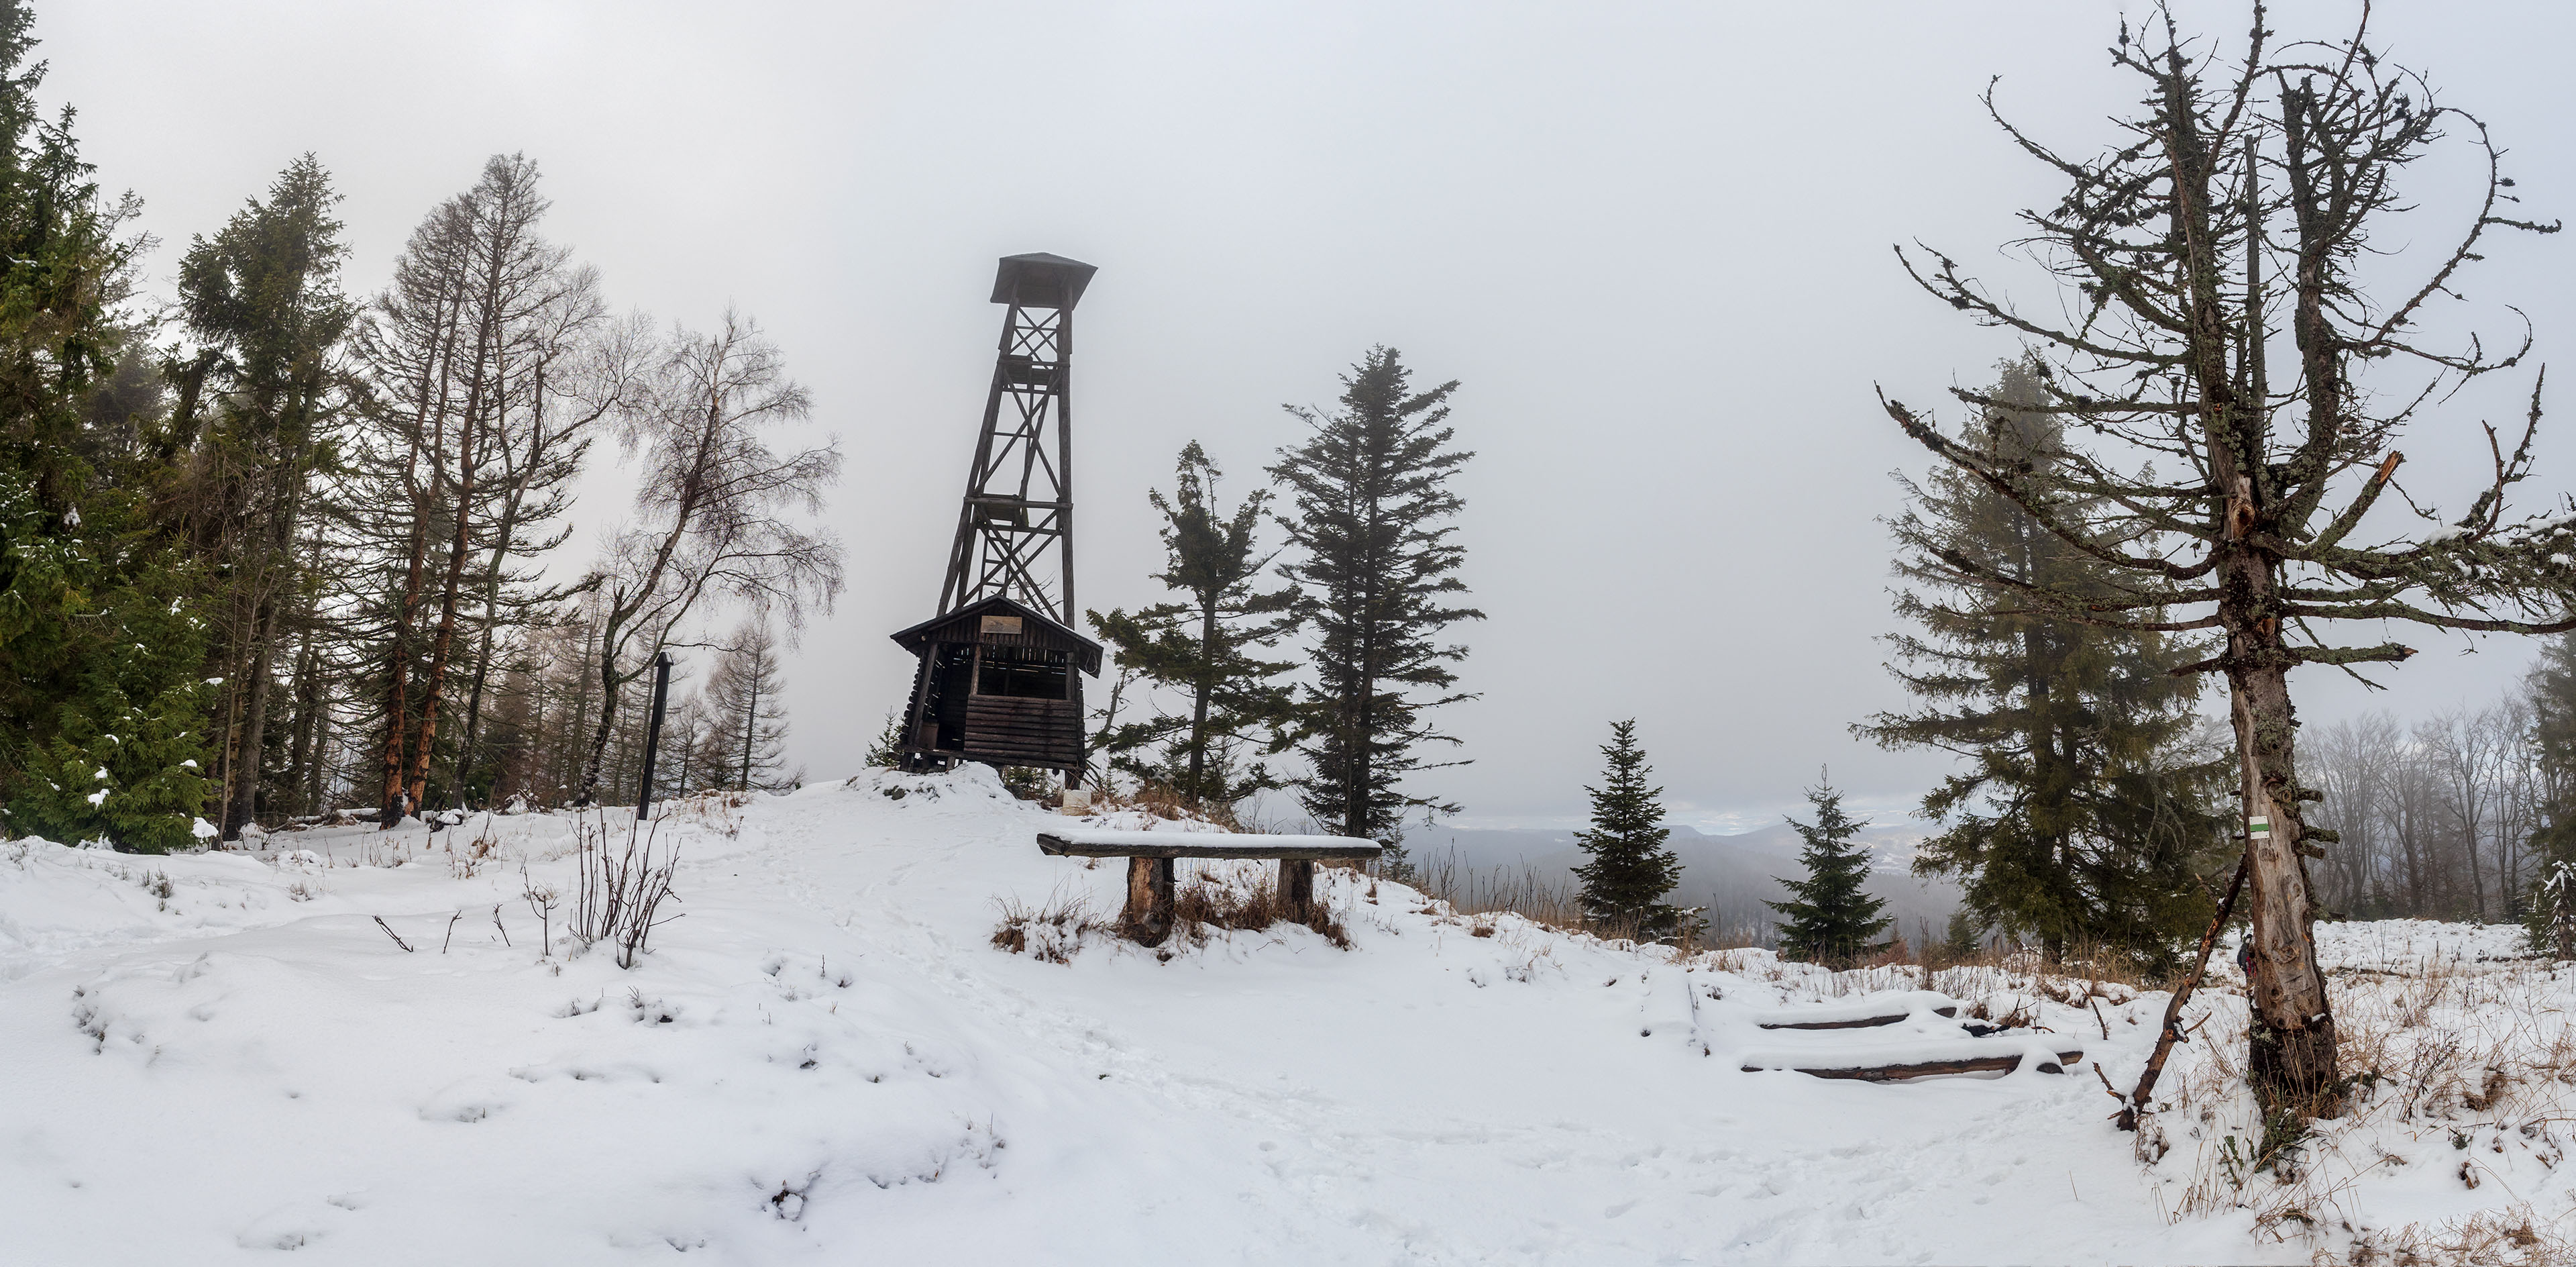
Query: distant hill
[[1731, 875]]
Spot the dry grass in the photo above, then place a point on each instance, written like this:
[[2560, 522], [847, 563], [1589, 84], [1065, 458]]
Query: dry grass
[[1218, 898], [1241, 897], [719, 812], [1523, 891], [2447, 1063], [1051, 933], [2511, 1237], [467, 862]]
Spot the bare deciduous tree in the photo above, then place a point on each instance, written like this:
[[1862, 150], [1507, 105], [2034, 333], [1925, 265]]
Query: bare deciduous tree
[[2240, 210], [715, 499]]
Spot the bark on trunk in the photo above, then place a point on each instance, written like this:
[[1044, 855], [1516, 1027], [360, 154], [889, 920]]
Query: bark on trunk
[[1147, 917], [416, 567], [599, 735], [2290, 1056], [242, 798], [1297, 890], [457, 549], [1199, 694]]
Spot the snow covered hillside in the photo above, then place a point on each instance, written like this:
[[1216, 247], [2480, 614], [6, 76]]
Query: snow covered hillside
[[221, 1057]]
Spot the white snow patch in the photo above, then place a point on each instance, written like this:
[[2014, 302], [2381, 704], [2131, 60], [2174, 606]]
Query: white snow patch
[[826, 1059]]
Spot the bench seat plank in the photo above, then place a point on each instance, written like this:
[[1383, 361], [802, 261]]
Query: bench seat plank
[[1101, 843]]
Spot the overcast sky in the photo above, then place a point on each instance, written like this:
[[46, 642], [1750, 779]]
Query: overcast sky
[[1652, 241]]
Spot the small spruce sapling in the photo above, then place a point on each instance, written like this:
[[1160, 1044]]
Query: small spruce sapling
[[2550, 917], [1631, 870], [1829, 919]]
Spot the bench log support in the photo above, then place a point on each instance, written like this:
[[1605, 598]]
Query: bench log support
[[1297, 890], [1147, 918]]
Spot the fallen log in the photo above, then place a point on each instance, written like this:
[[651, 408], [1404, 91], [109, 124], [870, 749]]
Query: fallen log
[[1929, 1068], [1866, 1022]]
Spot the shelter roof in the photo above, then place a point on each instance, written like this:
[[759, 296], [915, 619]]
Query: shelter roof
[[966, 624]]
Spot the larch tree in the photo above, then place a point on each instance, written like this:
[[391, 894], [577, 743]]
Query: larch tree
[[718, 506], [745, 702], [2231, 369], [568, 365], [493, 363], [1631, 871], [1829, 918], [1372, 519], [2085, 811], [1206, 645]]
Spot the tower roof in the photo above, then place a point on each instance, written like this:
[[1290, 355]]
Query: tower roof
[[1040, 280]]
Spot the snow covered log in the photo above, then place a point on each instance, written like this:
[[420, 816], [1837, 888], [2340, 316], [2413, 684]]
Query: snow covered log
[[1885, 1009], [1897, 1063], [1085, 842]]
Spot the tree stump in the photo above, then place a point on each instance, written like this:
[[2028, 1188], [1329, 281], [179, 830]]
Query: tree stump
[[1147, 917], [1296, 897]]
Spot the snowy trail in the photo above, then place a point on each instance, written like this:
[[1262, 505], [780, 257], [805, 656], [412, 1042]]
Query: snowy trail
[[826, 1060]]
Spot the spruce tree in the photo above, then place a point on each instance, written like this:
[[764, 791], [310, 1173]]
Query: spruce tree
[[2083, 812], [2550, 688], [1631, 870], [123, 765], [1205, 645], [1829, 919], [1371, 519], [261, 412], [100, 643]]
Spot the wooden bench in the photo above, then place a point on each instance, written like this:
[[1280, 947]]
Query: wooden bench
[[1147, 916]]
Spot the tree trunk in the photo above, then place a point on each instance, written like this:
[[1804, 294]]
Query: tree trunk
[[243, 795], [1199, 693], [588, 791], [2291, 1045], [304, 745], [428, 430], [457, 549]]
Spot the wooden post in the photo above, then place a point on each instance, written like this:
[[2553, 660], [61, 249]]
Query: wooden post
[[1297, 890], [1147, 919]]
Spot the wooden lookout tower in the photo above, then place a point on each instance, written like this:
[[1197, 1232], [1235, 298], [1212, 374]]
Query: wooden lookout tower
[[1000, 678]]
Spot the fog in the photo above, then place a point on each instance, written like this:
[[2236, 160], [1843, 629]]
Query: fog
[[1652, 242]]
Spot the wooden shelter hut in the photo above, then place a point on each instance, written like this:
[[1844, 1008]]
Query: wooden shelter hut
[[999, 683]]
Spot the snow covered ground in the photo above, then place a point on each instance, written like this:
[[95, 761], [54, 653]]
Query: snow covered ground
[[222, 1057]]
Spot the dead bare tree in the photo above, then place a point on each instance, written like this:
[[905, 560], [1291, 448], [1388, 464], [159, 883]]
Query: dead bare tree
[[2241, 207], [715, 499]]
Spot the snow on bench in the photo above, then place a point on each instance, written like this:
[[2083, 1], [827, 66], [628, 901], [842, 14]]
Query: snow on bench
[[1147, 917], [1094, 842]]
